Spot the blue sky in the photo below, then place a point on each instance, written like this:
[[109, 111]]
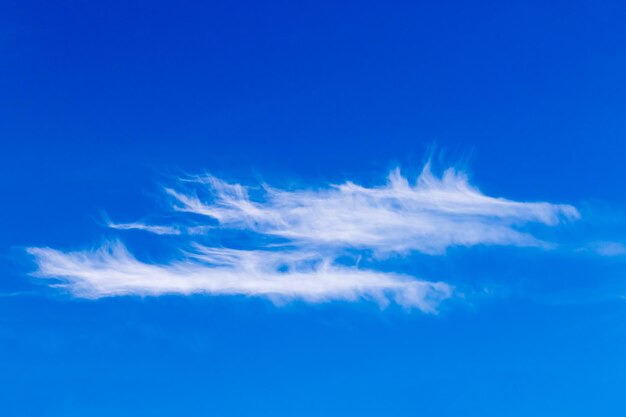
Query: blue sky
[[312, 209]]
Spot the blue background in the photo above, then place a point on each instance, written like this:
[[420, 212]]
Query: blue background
[[101, 101]]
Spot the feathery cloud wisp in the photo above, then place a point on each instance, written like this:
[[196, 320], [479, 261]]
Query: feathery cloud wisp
[[605, 248], [429, 216], [156, 229], [112, 270]]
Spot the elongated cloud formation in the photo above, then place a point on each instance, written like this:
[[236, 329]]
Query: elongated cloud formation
[[162, 230], [303, 233], [112, 270], [429, 216], [156, 229]]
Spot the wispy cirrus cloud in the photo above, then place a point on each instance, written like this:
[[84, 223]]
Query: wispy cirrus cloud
[[156, 229], [308, 231], [112, 270], [428, 216], [608, 248], [162, 229]]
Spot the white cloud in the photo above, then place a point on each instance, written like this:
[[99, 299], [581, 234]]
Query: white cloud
[[428, 216], [280, 276], [609, 248], [156, 229], [161, 229], [317, 225]]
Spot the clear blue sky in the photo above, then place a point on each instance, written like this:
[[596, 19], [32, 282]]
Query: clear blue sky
[[104, 105]]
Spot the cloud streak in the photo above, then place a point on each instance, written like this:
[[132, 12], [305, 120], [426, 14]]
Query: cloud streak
[[156, 229], [428, 216], [280, 276], [609, 248], [161, 229]]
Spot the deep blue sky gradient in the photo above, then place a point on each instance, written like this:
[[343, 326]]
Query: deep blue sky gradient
[[100, 102]]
